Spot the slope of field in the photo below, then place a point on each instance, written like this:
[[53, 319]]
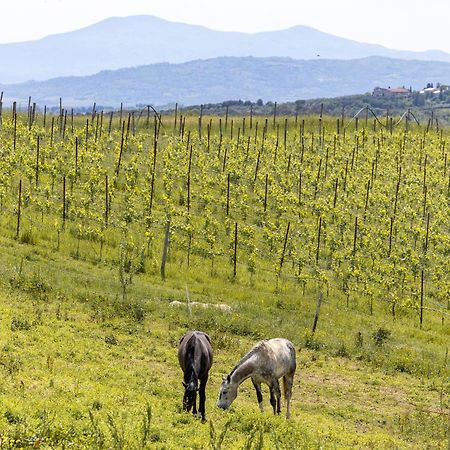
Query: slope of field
[[257, 221], [139, 40], [219, 79]]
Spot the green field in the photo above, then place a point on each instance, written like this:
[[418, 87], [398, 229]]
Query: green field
[[264, 215]]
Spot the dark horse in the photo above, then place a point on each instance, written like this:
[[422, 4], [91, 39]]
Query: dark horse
[[195, 356]]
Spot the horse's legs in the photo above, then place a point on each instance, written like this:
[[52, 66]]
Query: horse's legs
[[273, 401], [258, 394], [202, 395], [278, 397], [288, 381], [194, 407], [275, 395]]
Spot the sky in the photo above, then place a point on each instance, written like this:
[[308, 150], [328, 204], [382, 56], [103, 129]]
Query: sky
[[400, 24]]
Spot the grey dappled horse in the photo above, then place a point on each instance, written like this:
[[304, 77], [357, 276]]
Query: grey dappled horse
[[195, 356], [266, 362]]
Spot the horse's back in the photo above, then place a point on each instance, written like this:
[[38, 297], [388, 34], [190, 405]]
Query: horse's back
[[195, 348], [282, 353]]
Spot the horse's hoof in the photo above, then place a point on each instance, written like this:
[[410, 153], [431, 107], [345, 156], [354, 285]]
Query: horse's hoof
[[204, 419]]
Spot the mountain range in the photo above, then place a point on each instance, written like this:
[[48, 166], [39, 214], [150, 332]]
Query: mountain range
[[218, 79], [133, 41]]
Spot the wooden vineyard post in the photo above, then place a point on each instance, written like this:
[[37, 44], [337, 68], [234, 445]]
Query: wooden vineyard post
[[111, 115], [286, 237], [94, 111], [220, 145], [183, 127], [276, 144], [288, 168], [397, 189], [208, 130], [147, 121], [421, 298], [257, 166], [64, 125], [19, 209], [345, 175], [300, 189], [390, 236], [106, 201], [336, 183], [200, 119], [188, 141], [97, 125], [425, 249], [265, 192], [319, 231], [224, 159], [189, 182], [366, 204], [316, 315], [29, 113], [15, 128], [52, 131], [76, 156], [128, 127], [121, 149], [155, 151], [189, 249], [37, 161], [228, 194], [165, 250], [175, 117], [425, 185], [355, 236], [64, 203], [235, 249], [101, 125], [274, 114], [285, 134]]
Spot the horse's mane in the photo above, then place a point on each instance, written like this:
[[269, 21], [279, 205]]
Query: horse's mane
[[246, 357]]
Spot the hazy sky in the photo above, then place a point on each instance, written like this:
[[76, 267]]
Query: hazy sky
[[401, 24]]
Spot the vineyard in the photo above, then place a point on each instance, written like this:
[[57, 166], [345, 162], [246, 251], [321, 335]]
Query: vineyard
[[333, 233]]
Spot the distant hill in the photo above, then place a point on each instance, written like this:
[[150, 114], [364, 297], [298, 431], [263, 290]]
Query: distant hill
[[219, 79], [140, 40]]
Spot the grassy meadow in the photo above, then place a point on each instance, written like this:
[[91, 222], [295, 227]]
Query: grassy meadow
[[264, 215]]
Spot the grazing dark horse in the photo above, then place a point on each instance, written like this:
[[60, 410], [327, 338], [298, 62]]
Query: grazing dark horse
[[266, 362], [195, 356]]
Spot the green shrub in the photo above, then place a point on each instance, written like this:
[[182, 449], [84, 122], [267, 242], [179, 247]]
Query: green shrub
[[20, 324], [380, 336]]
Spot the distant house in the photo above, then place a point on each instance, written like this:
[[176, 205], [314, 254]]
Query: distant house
[[391, 92], [431, 89]]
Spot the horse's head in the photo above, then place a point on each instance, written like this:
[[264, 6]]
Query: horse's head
[[190, 395], [227, 394]]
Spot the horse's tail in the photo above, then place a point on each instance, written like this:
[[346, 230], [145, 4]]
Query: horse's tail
[[288, 378], [285, 388]]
